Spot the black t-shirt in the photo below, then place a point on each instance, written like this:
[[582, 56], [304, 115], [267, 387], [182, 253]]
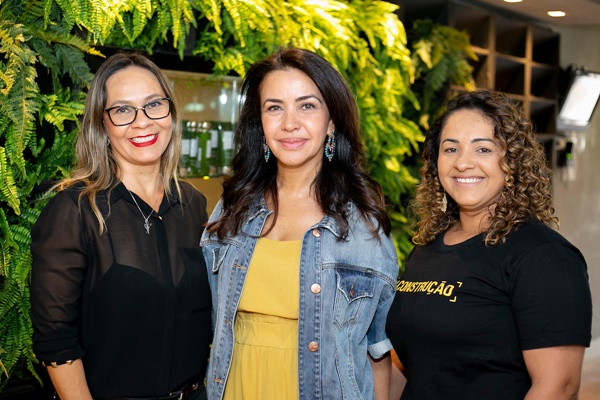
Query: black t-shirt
[[135, 306], [463, 314]]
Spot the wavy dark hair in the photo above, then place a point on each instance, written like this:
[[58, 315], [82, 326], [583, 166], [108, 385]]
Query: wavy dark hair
[[527, 192], [338, 182]]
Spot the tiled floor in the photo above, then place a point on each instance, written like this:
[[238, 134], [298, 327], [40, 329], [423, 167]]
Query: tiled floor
[[590, 378]]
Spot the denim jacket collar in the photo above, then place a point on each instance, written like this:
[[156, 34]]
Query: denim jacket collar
[[258, 209]]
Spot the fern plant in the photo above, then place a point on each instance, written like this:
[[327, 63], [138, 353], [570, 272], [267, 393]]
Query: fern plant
[[440, 57], [35, 143], [363, 39]]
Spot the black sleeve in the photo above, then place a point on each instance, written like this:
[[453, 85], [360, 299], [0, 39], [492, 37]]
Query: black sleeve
[[551, 297], [58, 273]]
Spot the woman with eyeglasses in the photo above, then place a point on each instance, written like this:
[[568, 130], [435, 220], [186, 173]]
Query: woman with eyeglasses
[[120, 297]]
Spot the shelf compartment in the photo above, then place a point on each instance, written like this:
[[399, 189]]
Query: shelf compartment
[[544, 82], [509, 76], [475, 22], [543, 116], [546, 46], [511, 37], [481, 70]]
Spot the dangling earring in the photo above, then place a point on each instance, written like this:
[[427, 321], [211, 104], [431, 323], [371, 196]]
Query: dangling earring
[[330, 146], [266, 150], [107, 141], [444, 203]]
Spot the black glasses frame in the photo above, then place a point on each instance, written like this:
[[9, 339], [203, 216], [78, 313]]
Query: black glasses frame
[[143, 108]]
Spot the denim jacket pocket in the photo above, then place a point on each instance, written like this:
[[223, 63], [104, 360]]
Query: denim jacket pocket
[[353, 287]]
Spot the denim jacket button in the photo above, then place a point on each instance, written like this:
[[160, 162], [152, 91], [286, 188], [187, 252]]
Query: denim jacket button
[[313, 346], [316, 232], [315, 288]]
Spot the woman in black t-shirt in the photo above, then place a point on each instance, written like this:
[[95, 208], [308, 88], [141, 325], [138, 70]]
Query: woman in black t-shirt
[[494, 303], [120, 298]]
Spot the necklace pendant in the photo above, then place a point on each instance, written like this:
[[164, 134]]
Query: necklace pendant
[[147, 224]]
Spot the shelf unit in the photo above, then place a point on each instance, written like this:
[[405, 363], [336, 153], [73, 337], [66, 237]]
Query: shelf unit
[[516, 57]]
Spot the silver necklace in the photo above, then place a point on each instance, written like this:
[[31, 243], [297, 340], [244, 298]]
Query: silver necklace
[[147, 224]]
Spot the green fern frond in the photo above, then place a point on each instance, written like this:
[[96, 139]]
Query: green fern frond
[[211, 11], [440, 58], [7, 244], [8, 189], [24, 105], [23, 259], [48, 8], [15, 330], [139, 21], [235, 20], [72, 11]]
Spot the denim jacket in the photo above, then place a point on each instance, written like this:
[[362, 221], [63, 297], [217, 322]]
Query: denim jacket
[[346, 289]]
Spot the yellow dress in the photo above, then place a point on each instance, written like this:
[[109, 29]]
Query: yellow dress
[[265, 354]]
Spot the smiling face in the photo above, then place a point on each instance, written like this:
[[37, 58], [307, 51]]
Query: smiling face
[[468, 162], [295, 119], [143, 142]]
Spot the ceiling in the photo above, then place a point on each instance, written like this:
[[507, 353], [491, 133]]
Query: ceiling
[[579, 12]]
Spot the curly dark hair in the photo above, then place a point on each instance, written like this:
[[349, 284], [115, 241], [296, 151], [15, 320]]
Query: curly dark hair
[[338, 182], [527, 192]]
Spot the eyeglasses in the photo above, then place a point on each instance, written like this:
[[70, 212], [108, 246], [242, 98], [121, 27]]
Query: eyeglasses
[[125, 115]]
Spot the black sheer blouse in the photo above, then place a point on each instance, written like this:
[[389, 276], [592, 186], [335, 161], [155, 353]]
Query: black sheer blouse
[[134, 306]]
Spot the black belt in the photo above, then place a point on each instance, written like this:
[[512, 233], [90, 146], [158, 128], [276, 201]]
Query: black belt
[[178, 395]]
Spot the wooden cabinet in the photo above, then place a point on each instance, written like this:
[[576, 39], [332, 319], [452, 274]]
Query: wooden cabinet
[[515, 56]]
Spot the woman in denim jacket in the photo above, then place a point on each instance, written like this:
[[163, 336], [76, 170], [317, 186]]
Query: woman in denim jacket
[[301, 263]]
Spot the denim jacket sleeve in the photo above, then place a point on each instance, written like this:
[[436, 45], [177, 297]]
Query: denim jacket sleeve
[[211, 250], [379, 344]]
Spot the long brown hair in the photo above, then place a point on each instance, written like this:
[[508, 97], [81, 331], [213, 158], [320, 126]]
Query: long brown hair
[[527, 192], [96, 167]]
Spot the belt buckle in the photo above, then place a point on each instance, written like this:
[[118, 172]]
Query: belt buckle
[[179, 395]]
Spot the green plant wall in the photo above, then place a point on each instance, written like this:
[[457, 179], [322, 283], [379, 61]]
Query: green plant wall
[[44, 77], [363, 39]]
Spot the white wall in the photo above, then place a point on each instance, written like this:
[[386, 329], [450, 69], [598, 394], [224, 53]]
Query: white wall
[[577, 200]]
